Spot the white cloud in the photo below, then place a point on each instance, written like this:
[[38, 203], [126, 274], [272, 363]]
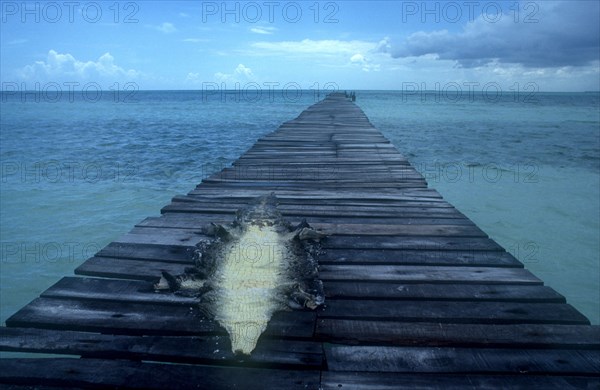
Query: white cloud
[[309, 46], [364, 63], [384, 45], [58, 66], [240, 74], [193, 77], [166, 28], [357, 58], [263, 30]]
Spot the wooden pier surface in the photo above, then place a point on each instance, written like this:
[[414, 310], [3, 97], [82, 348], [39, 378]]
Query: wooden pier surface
[[416, 294]]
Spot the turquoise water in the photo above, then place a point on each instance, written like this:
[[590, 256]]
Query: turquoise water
[[77, 174]]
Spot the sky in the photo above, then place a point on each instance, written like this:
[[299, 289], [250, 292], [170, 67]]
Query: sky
[[375, 45]]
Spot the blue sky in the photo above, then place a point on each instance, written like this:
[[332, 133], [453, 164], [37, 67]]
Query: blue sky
[[547, 45]]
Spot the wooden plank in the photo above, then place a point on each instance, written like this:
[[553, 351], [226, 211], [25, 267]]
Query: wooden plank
[[412, 243], [441, 292], [175, 253], [129, 269], [427, 274], [199, 220], [454, 312], [440, 230], [215, 349], [193, 234], [338, 193], [142, 319], [149, 268], [140, 291], [314, 177], [101, 373], [25, 387], [187, 238], [114, 290], [273, 185], [462, 360], [405, 212], [419, 257], [437, 334], [316, 172], [233, 202], [332, 380], [342, 157]]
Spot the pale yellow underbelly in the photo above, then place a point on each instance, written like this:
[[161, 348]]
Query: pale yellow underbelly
[[246, 283]]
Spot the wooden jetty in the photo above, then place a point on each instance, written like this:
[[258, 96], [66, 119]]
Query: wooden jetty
[[416, 294]]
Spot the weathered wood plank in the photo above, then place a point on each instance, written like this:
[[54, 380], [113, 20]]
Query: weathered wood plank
[[427, 274], [146, 270], [436, 230], [114, 290], [215, 349], [102, 373], [462, 360], [274, 185], [409, 242], [183, 254], [188, 238], [199, 220], [233, 202], [142, 319], [437, 334], [341, 193], [454, 312], [441, 292], [332, 380], [194, 234], [419, 257], [405, 212]]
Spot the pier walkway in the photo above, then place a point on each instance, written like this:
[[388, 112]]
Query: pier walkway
[[416, 294]]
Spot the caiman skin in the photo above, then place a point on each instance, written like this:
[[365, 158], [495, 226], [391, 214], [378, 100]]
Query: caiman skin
[[255, 266]]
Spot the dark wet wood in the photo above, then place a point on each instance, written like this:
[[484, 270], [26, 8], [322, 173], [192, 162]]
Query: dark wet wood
[[108, 373], [210, 349], [461, 360], [336, 380], [143, 319], [397, 332], [416, 294]]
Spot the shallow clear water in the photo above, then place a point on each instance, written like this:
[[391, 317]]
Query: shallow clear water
[[76, 175]]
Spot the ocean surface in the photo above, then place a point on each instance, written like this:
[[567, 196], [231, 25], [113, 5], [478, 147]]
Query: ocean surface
[[78, 171]]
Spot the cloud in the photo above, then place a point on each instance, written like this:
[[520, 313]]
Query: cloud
[[193, 77], [240, 74], [327, 53], [166, 28], [364, 63], [560, 34], [59, 65], [357, 58], [309, 46], [263, 30]]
